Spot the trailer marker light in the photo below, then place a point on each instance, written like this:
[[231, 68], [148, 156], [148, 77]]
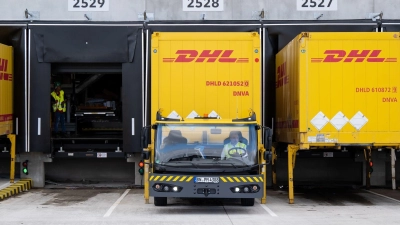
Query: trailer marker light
[[175, 189], [237, 190]]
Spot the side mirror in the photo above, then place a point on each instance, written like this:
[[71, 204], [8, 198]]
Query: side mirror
[[145, 155], [145, 137], [268, 138]]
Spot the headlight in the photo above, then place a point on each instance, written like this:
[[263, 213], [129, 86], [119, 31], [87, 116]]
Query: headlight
[[166, 188], [251, 188]]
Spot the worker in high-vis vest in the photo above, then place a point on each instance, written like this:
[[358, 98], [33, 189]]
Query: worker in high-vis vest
[[59, 108], [234, 148]]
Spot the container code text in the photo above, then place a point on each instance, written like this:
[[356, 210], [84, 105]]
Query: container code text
[[380, 90], [228, 83]]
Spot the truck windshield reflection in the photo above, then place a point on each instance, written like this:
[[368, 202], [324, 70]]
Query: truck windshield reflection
[[206, 146]]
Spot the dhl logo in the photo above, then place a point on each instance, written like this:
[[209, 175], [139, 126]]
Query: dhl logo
[[231, 179], [353, 56], [223, 56], [3, 70]]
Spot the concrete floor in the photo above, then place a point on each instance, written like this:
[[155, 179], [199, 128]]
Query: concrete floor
[[79, 205]]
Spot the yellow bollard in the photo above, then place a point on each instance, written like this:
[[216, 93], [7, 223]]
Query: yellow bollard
[[292, 150], [12, 152]]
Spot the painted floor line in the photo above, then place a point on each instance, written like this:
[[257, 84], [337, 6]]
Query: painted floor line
[[111, 209], [383, 196], [266, 209]]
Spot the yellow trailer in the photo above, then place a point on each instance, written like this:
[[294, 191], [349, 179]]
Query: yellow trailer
[[6, 90], [206, 109], [338, 89]]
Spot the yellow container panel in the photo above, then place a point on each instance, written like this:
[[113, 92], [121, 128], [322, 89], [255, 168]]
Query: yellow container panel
[[338, 89], [6, 89], [204, 73]]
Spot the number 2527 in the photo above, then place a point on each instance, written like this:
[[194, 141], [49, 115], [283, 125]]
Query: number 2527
[[316, 3]]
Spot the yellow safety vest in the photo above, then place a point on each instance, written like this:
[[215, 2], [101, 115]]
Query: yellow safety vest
[[59, 98], [229, 146]]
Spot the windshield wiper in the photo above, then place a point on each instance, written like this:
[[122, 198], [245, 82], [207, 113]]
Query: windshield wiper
[[219, 162], [177, 162]]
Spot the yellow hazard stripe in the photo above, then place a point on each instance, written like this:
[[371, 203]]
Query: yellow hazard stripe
[[241, 179], [224, 179]]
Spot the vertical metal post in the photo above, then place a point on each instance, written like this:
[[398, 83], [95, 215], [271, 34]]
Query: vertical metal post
[[368, 156], [264, 174], [12, 152], [146, 181], [393, 157], [292, 150]]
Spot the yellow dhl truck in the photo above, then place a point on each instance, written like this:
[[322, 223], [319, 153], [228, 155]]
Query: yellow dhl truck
[[6, 90], [206, 109]]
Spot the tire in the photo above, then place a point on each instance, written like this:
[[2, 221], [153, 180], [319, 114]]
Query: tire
[[247, 201], [160, 201]]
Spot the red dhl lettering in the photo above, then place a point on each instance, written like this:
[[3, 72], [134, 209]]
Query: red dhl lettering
[[223, 56], [282, 77], [6, 117], [6, 76], [3, 65], [3, 70], [353, 56]]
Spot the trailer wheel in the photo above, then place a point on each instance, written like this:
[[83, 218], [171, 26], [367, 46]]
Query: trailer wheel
[[247, 201], [160, 201]]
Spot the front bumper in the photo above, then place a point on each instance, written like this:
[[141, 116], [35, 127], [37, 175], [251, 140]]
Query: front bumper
[[240, 186]]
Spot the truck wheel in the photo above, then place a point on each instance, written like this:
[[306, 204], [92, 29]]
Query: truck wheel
[[247, 201], [160, 201]]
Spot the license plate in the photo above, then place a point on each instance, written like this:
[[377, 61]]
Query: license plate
[[214, 180]]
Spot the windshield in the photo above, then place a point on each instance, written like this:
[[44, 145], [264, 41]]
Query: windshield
[[206, 145]]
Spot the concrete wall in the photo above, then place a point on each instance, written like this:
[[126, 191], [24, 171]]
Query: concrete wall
[[132, 10]]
